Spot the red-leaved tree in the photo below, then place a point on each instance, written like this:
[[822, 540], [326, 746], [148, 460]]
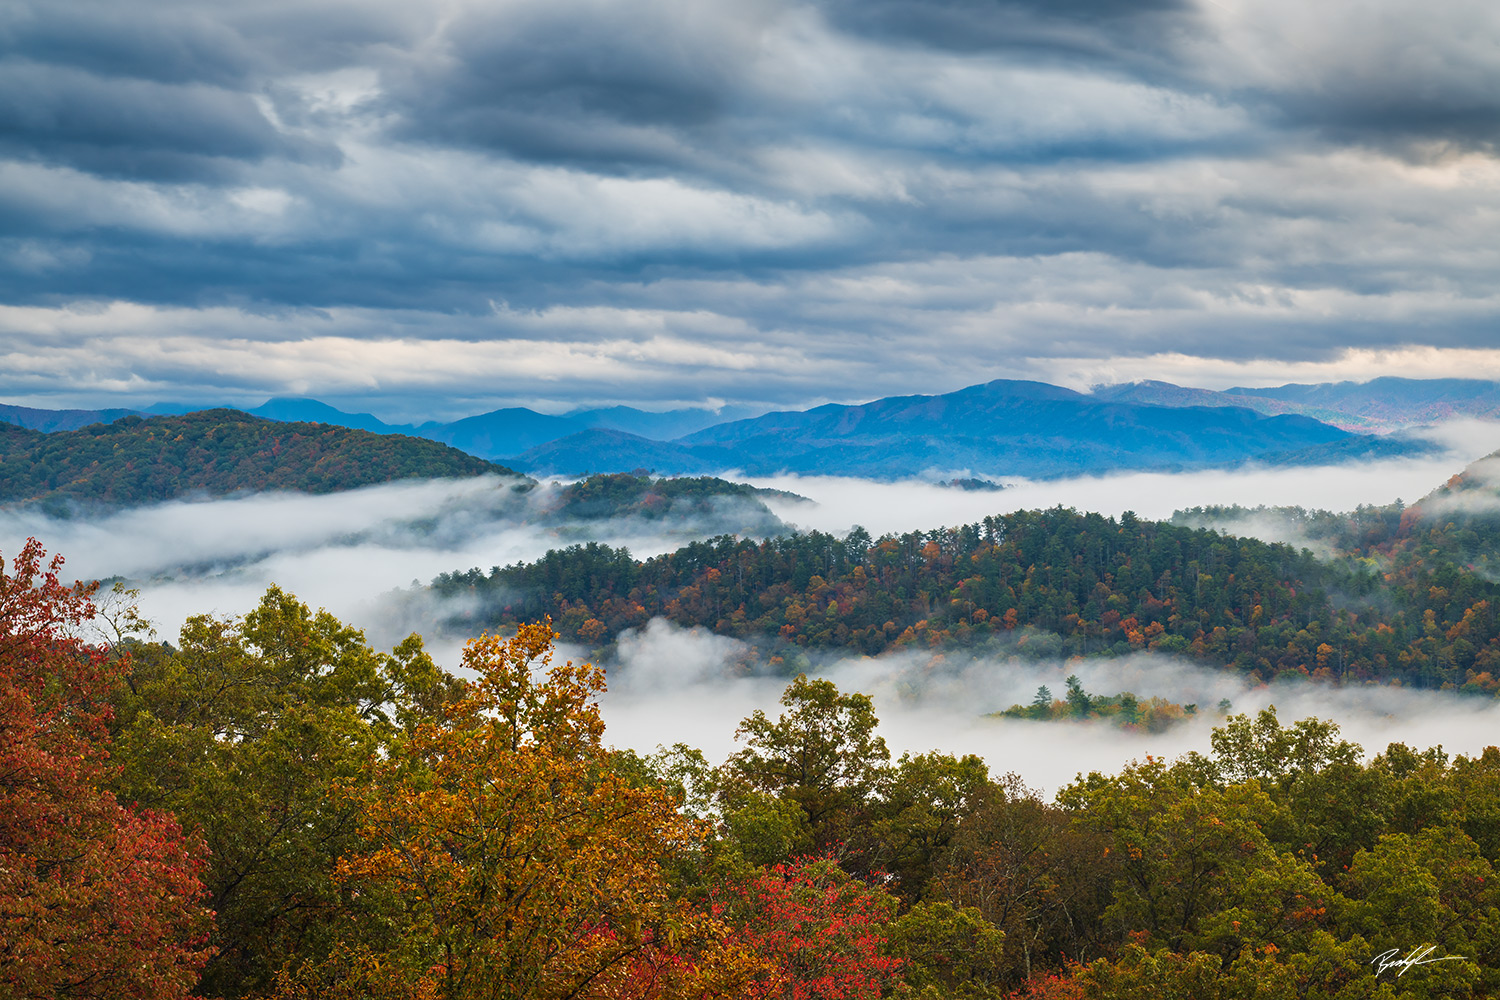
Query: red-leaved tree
[[820, 931], [96, 900]]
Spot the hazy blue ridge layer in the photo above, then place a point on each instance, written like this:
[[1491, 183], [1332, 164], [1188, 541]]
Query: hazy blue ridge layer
[[998, 428], [59, 420], [511, 430], [1380, 404]]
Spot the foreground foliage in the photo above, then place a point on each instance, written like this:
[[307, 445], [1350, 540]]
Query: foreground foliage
[[524, 863], [364, 824], [97, 899]]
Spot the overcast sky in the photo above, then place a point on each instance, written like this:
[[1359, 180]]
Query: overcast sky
[[437, 208]]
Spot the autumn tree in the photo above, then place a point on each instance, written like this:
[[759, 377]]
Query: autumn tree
[[1030, 871], [96, 899], [949, 952], [526, 865], [1264, 750], [244, 730], [822, 932], [1192, 867]]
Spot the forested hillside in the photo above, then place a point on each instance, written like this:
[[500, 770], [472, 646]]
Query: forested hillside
[[625, 494], [269, 808], [1408, 597], [215, 452], [14, 436]]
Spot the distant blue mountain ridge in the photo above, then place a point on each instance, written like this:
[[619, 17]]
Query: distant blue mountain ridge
[[59, 420], [1382, 404], [485, 435], [999, 428]]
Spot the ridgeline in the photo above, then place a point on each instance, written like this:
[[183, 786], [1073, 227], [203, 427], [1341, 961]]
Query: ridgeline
[[213, 452]]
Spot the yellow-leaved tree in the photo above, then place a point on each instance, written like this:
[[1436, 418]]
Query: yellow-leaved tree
[[520, 861]]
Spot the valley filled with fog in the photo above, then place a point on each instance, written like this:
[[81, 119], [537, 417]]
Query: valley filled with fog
[[364, 555]]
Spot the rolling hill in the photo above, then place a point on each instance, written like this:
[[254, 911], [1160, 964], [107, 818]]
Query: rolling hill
[[214, 452], [1400, 594]]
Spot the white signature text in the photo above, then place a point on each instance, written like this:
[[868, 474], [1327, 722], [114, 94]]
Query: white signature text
[[1417, 956]]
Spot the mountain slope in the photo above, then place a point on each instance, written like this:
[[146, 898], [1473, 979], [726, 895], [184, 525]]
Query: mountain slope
[[499, 432], [58, 420], [999, 428], [1380, 404], [664, 426], [598, 451], [136, 461], [1154, 393], [1392, 401], [1009, 428], [290, 410]]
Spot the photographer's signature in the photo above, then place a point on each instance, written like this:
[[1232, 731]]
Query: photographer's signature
[[1417, 956]]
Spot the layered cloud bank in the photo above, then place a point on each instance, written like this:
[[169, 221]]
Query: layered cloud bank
[[350, 551], [359, 553], [434, 211]]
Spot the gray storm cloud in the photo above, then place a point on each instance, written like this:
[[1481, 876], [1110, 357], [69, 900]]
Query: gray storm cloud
[[775, 202]]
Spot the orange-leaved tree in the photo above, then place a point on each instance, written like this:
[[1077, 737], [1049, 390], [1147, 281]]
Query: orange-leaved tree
[[96, 899], [524, 863]]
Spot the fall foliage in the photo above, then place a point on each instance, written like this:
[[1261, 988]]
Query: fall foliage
[[271, 808], [524, 864], [96, 899], [820, 931], [1410, 598]]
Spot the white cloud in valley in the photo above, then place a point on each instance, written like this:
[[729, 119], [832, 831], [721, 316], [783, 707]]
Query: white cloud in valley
[[358, 553], [687, 685]]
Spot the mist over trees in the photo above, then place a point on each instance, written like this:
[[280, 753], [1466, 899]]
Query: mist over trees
[[271, 808], [1406, 597]]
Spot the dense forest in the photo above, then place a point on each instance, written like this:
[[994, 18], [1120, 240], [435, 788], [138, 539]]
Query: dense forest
[[215, 452], [270, 808], [627, 494], [1406, 598]]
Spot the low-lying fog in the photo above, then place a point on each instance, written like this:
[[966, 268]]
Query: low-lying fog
[[688, 685], [348, 551], [883, 507]]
